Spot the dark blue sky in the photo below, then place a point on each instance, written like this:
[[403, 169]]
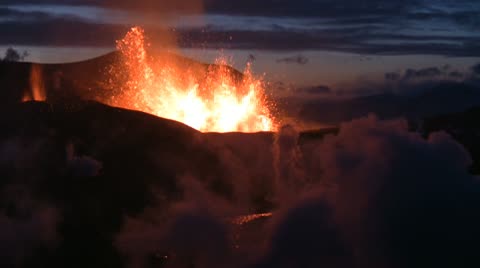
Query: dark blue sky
[[301, 41]]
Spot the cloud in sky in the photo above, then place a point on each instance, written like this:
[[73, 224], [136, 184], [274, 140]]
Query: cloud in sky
[[299, 59], [418, 74], [368, 27], [160, 7], [431, 74]]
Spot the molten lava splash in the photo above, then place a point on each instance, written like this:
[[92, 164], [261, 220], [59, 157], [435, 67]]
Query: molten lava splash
[[241, 220], [212, 99]]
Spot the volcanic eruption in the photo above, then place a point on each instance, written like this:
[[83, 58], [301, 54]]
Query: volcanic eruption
[[217, 100]]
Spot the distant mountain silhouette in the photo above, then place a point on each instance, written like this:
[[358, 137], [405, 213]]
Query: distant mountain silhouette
[[441, 99]]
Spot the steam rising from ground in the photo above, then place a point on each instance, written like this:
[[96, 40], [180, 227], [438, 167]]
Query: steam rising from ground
[[24, 232], [375, 195]]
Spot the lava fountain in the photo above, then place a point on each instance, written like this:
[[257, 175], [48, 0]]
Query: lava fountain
[[217, 100], [36, 92]]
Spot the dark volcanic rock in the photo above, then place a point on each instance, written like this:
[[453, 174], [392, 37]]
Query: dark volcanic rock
[[137, 156], [441, 99]]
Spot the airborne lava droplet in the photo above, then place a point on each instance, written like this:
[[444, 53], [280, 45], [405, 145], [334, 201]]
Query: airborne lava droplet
[[214, 101]]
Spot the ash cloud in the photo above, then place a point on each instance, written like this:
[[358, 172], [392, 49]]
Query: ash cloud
[[306, 236], [34, 171], [387, 198], [402, 200], [28, 227], [375, 194], [289, 177], [187, 237], [190, 238], [22, 238], [190, 232]]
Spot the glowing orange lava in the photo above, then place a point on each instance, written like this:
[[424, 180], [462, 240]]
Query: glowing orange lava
[[241, 220], [208, 98], [36, 92]]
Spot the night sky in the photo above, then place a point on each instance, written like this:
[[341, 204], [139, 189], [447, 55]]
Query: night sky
[[340, 44]]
